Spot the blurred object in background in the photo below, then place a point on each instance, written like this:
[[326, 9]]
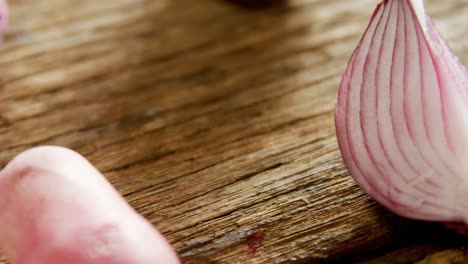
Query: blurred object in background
[[257, 3], [3, 18]]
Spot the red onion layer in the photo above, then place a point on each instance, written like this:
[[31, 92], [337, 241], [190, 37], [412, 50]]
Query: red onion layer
[[401, 116]]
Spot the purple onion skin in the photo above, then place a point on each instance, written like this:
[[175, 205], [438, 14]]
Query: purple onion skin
[[3, 17]]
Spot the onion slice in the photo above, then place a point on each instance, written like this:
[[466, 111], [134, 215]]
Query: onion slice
[[402, 116]]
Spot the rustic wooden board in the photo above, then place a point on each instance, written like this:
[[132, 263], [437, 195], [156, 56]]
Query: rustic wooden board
[[213, 120]]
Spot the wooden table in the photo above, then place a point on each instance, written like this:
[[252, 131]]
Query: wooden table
[[213, 120]]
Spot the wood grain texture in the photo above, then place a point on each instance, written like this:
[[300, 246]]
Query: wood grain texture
[[213, 120]]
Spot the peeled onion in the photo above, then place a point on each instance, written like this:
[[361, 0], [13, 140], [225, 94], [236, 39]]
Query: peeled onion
[[401, 116], [56, 208]]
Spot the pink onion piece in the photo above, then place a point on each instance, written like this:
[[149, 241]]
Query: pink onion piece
[[402, 116], [3, 17]]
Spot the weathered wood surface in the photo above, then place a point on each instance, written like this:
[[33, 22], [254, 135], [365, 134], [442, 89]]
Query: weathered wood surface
[[214, 121]]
